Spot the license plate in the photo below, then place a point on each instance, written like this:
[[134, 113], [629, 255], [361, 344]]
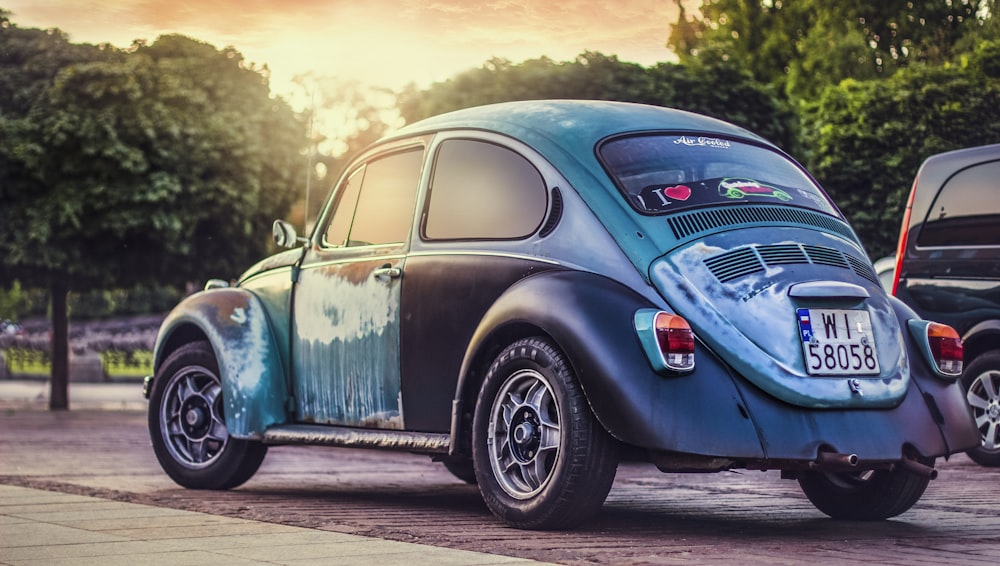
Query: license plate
[[838, 342]]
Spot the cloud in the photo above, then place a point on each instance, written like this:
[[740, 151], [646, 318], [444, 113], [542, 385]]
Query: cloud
[[381, 42]]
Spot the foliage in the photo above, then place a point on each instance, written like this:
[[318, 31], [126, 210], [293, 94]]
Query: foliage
[[157, 159], [718, 89], [806, 45], [163, 163], [868, 138]]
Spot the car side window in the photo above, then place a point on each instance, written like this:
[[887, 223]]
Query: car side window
[[966, 212], [343, 215], [483, 191], [378, 201]]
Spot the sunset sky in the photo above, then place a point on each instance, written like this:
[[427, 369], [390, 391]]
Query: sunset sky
[[387, 43]]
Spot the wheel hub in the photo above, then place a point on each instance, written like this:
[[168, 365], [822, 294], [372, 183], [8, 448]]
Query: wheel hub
[[525, 436], [994, 411], [195, 419]]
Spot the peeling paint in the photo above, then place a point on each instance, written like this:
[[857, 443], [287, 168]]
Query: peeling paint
[[236, 325], [347, 346]]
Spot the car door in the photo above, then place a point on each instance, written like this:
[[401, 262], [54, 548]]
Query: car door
[[346, 311]]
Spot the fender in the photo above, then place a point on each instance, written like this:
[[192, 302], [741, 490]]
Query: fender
[[945, 399], [236, 325], [591, 318]]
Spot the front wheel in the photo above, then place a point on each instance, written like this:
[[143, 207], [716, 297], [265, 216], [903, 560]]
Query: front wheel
[[187, 425], [541, 459], [870, 495], [981, 380]]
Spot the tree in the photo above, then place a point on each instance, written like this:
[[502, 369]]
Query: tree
[[868, 138], [717, 89], [163, 163], [804, 45]]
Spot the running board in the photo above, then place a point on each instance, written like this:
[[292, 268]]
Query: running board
[[358, 438]]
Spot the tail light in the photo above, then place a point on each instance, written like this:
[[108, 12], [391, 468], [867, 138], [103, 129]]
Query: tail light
[[946, 348], [904, 230], [941, 345], [676, 341], [667, 340]]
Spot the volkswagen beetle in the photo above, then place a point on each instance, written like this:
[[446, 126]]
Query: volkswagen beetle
[[529, 292]]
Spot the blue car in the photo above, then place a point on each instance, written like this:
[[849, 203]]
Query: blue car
[[530, 292]]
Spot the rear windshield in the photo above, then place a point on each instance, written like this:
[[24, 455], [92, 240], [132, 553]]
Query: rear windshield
[[660, 174]]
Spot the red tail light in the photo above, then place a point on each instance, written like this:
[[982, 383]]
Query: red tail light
[[903, 233], [946, 348], [676, 341]]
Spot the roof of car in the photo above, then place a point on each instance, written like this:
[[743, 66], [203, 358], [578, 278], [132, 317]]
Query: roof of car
[[565, 132], [567, 121]]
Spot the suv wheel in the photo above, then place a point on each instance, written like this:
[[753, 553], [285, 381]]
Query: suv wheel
[[982, 386]]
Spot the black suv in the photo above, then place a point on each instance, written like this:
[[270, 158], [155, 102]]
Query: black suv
[[948, 270]]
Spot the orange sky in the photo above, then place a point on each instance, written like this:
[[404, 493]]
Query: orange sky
[[380, 42]]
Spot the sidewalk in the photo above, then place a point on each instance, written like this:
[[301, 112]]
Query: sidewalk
[[44, 527], [34, 394]]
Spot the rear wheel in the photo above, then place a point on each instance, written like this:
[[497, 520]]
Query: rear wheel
[[867, 495], [187, 424], [982, 390], [541, 458]]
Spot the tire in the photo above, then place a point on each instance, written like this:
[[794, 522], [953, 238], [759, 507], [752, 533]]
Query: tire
[[864, 496], [187, 425], [541, 459], [981, 380], [461, 469]]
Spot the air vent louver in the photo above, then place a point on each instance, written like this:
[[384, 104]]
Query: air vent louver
[[744, 261], [736, 263], [780, 254], [688, 224]]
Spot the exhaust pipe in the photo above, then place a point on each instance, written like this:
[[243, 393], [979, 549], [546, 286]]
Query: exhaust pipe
[[827, 460], [915, 467]]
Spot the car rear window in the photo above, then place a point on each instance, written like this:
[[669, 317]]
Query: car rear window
[[660, 174]]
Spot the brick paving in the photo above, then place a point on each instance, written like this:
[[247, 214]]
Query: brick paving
[[649, 518]]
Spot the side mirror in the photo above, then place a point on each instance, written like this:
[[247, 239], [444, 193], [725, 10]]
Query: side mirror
[[284, 235]]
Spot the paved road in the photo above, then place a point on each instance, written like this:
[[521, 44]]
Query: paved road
[[649, 518]]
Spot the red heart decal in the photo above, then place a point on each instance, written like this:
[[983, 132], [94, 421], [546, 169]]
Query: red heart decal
[[679, 192]]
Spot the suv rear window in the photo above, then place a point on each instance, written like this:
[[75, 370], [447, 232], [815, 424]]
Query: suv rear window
[[967, 210], [660, 174]]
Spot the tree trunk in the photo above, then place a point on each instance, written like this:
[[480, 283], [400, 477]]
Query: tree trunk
[[59, 392]]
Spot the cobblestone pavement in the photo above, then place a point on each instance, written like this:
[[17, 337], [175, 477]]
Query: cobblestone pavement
[[649, 518]]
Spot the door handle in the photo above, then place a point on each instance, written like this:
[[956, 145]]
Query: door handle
[[387, 273]]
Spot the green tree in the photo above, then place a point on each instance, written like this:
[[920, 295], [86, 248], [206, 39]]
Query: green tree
[[868, 138], [718, 89], [163, 163], [805, 45]]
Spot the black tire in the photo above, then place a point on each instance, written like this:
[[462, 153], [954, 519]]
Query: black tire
[[541, 458], [187, 425], [864, 496], [981, 380], [461, 469]]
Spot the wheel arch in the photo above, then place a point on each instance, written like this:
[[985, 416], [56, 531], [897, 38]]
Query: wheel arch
[[234, 322], [589, 318], [981, 338]]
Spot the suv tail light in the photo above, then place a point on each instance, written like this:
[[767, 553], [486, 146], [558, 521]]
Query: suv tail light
[[667, 340], [941, 345], [904, 231]]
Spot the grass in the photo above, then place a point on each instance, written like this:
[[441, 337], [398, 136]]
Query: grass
[[115, 364]]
